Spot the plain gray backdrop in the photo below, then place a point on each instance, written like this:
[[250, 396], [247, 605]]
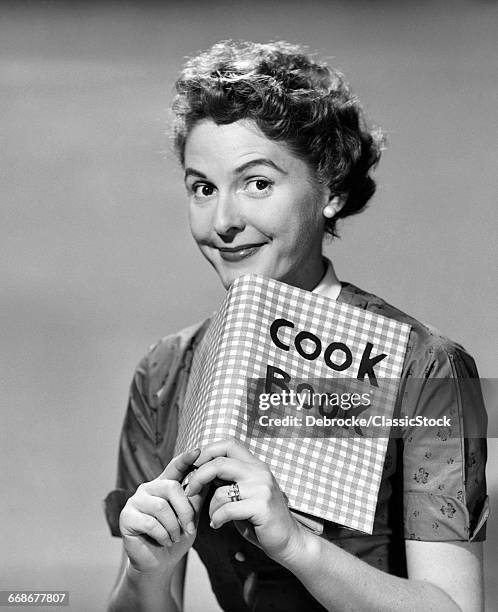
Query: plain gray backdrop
[[97, 261]]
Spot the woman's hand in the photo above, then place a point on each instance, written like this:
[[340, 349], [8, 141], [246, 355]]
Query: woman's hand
[[262, 514], [158, 523]]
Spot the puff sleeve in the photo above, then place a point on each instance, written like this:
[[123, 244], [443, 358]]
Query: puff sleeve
[[444, 485]]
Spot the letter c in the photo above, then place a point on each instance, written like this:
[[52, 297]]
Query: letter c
[[274, 327]]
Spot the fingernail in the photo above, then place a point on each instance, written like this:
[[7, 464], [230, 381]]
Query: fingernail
[[211, 524], [187, 490], [190, 528]]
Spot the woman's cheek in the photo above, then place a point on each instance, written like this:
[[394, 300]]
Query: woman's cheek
[[198, 227], [267, 223], [196, 235]]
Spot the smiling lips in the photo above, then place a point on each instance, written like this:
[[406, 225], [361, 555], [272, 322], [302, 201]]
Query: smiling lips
[[234, 254]]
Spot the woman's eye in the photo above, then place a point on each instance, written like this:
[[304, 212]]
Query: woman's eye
[[203, 190], [259, 187]]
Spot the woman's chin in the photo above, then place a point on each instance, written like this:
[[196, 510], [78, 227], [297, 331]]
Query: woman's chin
[[228, 276]]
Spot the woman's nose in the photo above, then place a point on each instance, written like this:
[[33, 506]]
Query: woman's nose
[[228, 219]]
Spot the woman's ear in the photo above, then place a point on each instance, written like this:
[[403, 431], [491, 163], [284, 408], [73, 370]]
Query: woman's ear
[[333, 206]]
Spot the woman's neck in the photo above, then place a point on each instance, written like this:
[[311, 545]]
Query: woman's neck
[[329, 285]]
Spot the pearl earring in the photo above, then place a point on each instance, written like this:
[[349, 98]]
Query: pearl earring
[[329, 211]]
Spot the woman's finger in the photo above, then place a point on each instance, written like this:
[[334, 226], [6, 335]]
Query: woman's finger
[[169, 521], [229, 447], [178, 467], [134, 523], [159, 495], [220, 496], [221, 467], [160, 509], [238, 511]]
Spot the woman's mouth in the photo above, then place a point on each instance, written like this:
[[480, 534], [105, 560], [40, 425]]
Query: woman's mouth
[[233, 254]]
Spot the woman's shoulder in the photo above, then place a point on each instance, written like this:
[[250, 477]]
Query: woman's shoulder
[[426, 342], [168, 357], [177, 342]]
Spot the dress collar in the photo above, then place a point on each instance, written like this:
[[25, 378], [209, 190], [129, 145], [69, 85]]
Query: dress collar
[[330, 285]]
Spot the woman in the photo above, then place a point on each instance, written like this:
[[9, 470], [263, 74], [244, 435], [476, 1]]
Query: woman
[[275, 151]]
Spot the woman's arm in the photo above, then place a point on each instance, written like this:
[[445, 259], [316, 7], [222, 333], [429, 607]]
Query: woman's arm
[[136, 592], [443, 576]]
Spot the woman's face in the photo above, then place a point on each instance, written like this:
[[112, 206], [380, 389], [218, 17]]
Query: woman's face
[[254, 207]]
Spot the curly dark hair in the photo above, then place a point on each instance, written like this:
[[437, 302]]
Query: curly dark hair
[[291, 98]]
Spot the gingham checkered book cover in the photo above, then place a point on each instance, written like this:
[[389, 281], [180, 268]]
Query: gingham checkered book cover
[[333, 478]]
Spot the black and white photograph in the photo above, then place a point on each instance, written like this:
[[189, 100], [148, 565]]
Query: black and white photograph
[[249, 301]]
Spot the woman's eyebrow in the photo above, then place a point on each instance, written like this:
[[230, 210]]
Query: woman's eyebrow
[[262, 161], [194, 172]]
